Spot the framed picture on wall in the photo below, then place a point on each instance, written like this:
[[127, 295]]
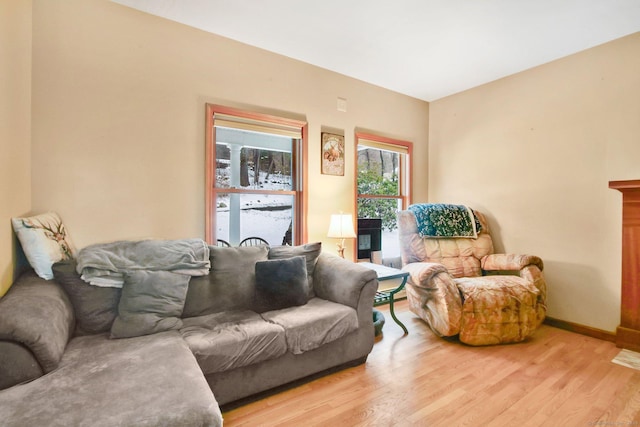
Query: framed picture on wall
[[332, 154]]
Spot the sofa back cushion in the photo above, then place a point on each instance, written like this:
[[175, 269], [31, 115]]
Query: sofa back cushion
[[231, 283], [95, 307]]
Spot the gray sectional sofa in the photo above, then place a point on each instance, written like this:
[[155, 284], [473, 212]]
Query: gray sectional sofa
[[61, 366]]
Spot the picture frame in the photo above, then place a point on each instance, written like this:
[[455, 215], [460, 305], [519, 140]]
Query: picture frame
[[332, 154]]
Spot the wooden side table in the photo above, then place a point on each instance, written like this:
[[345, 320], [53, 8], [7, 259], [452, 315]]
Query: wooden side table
[[387, 296]]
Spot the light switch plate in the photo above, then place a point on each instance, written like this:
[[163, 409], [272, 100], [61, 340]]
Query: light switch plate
[[342, 104]]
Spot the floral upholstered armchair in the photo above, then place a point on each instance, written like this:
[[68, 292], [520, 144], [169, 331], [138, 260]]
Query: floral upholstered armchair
[[458, 286]]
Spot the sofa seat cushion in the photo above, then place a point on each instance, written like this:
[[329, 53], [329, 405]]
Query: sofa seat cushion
[[152, 380], [497, 309], [228, 340], [316, 323]]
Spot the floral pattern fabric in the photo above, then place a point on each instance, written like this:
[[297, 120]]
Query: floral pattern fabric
[[452, 285], [497, 309], [445, 221]]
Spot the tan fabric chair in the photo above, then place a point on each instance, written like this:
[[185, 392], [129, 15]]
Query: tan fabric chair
[[460, 287]]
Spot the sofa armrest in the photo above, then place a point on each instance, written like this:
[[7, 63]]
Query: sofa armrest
[[422, 273], [510, 262], [338, 280], [434, 296], [528, 267], [37, 314]]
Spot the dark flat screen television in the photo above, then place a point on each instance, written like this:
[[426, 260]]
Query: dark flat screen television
[[369, 237]]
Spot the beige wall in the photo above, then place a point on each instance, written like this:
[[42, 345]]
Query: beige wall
[[15, 125], [118, 140], [535, 151], [118, 131]]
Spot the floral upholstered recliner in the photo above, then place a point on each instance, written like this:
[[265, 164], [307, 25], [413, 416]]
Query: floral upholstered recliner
[[459, 286]]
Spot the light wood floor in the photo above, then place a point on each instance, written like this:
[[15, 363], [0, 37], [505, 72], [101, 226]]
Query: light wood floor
[[558, 378]]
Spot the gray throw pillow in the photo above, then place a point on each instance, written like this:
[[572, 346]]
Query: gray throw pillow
[[95, 307], [311, 252], [151, 302], [281, 283]]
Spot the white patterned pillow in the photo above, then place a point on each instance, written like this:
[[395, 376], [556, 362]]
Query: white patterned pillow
[[44, 240]]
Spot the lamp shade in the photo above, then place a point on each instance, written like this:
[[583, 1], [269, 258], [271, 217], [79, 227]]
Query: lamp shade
[[341, 226]]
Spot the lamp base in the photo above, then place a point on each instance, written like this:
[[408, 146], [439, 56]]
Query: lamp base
[[341, 248]]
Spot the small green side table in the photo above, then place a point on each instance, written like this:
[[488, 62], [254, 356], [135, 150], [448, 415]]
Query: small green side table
[[387, 296]]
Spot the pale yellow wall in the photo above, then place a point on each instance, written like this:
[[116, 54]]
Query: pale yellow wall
[[535, 151], [118, 131], [15, 125], [118, 138]]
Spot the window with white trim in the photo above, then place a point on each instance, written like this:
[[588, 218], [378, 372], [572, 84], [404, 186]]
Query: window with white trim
[[383, 185], [254, 177]]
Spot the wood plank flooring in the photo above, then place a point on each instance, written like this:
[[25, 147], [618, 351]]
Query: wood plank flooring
[[557, 378]]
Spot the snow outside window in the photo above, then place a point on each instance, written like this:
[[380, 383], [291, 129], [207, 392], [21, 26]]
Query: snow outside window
[[383, 185]]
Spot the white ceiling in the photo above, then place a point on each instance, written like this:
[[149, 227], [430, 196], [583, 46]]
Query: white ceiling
[[427, 49]]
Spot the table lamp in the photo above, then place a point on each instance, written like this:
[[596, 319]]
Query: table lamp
[[341, 227]]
